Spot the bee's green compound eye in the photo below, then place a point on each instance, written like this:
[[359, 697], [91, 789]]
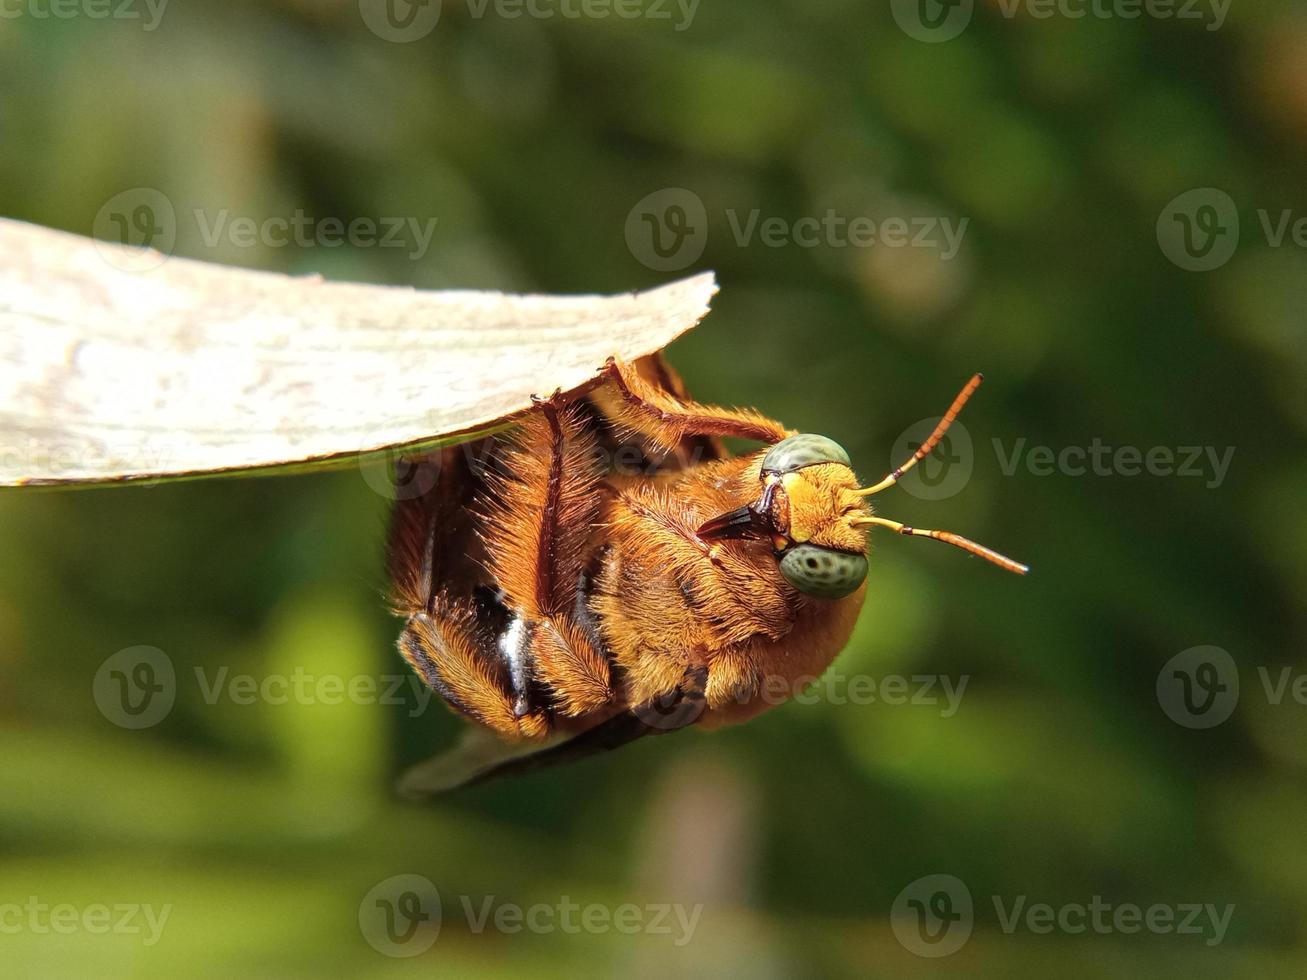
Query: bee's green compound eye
[[823, 572], [802, 450]]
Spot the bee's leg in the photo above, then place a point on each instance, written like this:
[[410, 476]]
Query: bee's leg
[[656, 371], [732, 678], [454, 635], [569, 663], [661, 416], [536, 528], [678, 708], [446, 649]]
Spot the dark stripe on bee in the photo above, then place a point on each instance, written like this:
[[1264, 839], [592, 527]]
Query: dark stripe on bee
[[581, 612], [416, 654]]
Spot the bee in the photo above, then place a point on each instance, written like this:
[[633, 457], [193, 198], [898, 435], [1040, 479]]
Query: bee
[[610, 571]]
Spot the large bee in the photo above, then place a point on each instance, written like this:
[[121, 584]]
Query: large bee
[[609, 571]]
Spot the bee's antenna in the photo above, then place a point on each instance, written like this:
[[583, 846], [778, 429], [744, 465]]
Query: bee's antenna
[[948, 537], [929, 444]]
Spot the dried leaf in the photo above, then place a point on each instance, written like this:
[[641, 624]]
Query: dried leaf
[[118, 363]]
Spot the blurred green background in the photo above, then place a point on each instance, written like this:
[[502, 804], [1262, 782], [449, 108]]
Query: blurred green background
[[1061, 776]]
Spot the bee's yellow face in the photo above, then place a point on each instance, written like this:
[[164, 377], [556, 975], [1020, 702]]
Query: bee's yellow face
[[822, 551], [823, 505]]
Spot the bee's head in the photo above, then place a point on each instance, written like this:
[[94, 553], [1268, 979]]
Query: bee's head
[[816, 515], [808, 506], [819, 542]]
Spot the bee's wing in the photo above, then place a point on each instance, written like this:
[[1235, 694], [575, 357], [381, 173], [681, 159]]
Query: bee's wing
[[477, 755], [432, 544], [480, 756]]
